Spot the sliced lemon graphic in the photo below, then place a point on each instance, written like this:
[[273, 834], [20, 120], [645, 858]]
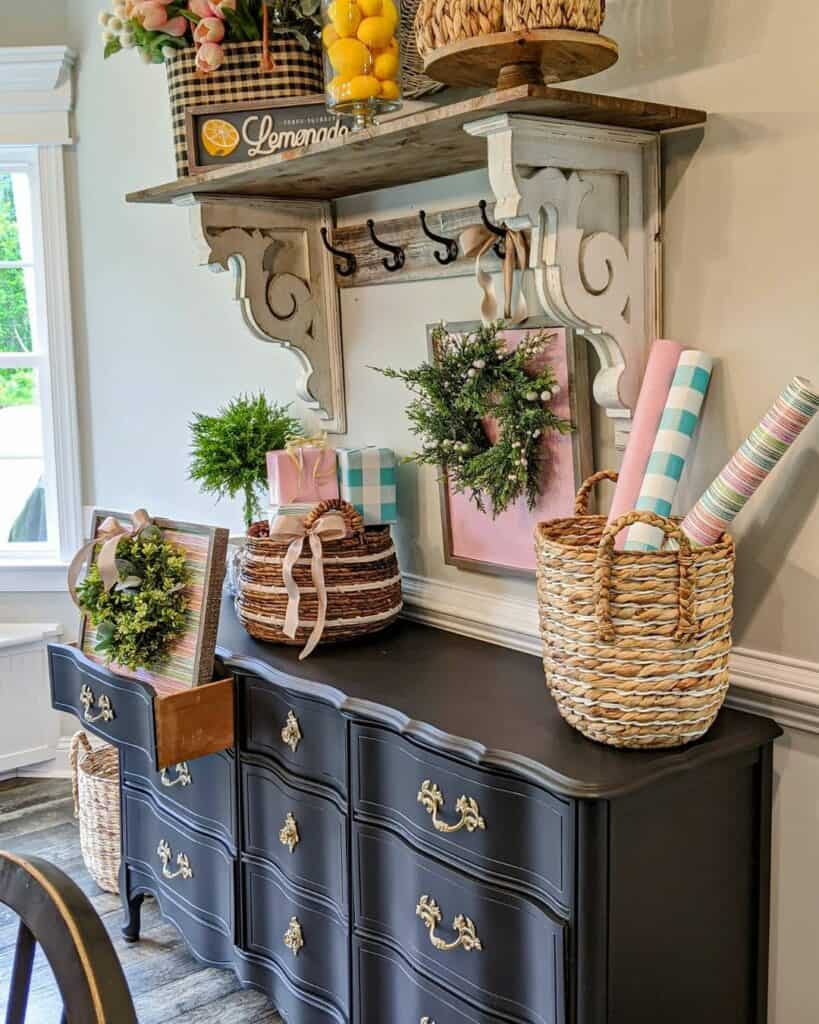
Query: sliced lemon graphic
[[219, 137]]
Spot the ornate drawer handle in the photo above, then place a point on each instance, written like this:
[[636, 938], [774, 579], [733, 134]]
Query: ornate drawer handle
[[426, 1020], [103, 703], [432, 800], [291, 733], [183, 776], [164, 853], [293, 937], [430, 913], [289, 833]]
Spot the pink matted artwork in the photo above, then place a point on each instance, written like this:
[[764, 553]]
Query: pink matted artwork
[[505, 546]]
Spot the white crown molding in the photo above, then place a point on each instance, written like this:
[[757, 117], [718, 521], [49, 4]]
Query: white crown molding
[[763, 683], [36, 69], [36, 94]]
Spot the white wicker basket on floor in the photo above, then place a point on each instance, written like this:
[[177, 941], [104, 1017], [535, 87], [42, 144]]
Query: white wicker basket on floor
[[95, 784]]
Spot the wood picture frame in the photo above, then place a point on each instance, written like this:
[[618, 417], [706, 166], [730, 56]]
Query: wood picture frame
[[191, 657], [513, 529], [301, 114]]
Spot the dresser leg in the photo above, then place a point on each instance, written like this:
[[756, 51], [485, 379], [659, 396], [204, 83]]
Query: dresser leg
[[133, 908]]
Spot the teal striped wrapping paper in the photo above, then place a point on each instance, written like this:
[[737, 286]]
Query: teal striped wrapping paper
[[671, 447]]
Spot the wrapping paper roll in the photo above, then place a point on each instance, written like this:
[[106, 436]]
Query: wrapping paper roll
[[671, 447], [757, 456], [662, 364]]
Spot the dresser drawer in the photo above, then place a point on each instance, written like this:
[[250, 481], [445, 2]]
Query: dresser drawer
[[306, 736], [304, 832], [195, 871], [317, 958], [201, 791], [390, 990], [502, 951], [502, 827], [190, 723]]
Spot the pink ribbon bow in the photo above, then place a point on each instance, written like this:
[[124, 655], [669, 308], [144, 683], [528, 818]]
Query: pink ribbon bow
[[330, 526], [109, 533]]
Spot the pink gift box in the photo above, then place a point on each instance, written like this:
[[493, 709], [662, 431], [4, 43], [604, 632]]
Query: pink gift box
[[302, 475]]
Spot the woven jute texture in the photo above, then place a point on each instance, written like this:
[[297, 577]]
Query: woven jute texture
[[580, 15], [296, 72], [414, 83], [439, 22], [361, 576], [635, 644], [95, 786]]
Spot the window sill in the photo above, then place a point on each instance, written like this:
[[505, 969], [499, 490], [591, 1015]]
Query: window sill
[[33, 577]]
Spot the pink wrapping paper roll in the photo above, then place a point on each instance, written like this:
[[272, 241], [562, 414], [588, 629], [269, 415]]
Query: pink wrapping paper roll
[[662, 365]]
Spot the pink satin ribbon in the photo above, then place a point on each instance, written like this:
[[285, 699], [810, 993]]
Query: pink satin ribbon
[[330, 526], [109, 533], [478, 240]]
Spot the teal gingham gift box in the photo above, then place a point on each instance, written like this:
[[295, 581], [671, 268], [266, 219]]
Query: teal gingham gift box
[[366, 478]]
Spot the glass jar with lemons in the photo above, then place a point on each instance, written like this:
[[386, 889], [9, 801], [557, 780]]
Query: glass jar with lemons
[[362, 61]]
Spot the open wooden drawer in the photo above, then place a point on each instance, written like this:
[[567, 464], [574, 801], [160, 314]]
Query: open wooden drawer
[[129, 713]]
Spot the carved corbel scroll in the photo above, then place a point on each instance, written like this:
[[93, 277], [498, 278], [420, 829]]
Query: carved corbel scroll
[[285, 284], [590, 197]]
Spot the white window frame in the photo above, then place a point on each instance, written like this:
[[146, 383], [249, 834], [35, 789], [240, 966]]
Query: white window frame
[[35, 100]]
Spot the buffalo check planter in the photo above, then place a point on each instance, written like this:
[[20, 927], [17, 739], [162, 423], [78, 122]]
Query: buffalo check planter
[[366, 479]]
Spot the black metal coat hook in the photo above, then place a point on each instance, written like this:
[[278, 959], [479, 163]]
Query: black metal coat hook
[[350, 263], [450, 243], [398, 255], [499, 248]]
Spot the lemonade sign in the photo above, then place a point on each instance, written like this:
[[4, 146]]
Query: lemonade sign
[[236, 132]]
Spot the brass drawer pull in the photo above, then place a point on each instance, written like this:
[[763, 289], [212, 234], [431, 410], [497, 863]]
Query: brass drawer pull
[[289, 833], [432, 800], [103, 703], [291, 733], [293, 937], [183, 776], [430, 913], [183, 864]]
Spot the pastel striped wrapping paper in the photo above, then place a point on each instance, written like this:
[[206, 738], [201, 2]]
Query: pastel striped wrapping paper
[[756, 457], [671, 447]]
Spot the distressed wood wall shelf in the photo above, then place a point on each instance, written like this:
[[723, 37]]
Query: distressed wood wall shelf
[[427, 145]]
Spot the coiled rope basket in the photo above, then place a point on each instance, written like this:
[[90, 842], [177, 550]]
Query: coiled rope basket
[[578, 15], [635, 644], [361, 577]]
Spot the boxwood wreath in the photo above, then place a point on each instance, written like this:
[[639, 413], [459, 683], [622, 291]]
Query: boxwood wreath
[[138, 619], [472, 376]]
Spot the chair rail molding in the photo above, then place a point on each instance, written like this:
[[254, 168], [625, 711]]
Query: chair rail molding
[[284, 283], [764, 683], [36, 95], [590, 197]]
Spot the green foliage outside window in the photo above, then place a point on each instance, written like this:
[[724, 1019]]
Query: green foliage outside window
[[16, 385]]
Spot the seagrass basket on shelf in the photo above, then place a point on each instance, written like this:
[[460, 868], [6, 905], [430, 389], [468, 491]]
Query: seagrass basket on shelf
[[635, 644], [440, 22], [361, 581], [414, 83], [240, 79], [95, 787], [578, 15]]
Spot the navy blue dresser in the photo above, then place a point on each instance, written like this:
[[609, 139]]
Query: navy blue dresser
[[405, 832]]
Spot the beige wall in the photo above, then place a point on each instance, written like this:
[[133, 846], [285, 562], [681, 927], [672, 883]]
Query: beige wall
[[32, 22]]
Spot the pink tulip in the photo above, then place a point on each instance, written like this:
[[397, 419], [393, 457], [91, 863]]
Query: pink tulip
[[209, 57], [153, 15], [177, 26], [209, 30], [220, 6], [201, 8]]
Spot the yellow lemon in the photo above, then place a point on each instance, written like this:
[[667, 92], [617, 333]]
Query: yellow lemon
[[349, 58], [369, 8], [345, 16], [390, 90], [329, 36], [386, 65], [391, 47], [363, 87], [375, 32], [390, 12], [219, 137], [337, 89]]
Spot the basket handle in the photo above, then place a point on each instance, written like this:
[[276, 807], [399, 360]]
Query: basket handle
[[79, 739], [351, 515], [686, 623], [581, 500]]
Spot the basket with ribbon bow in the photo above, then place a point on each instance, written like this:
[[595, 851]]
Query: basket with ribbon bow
[[318, 579]]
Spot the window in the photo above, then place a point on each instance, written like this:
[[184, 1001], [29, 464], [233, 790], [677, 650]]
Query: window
[[39, 492]]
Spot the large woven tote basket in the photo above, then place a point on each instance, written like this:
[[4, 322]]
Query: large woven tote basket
[[296, 72], [95, 786], [361, 577], [635, 644]]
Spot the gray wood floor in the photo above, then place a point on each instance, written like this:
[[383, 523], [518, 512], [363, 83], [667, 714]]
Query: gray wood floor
[[167, 983]]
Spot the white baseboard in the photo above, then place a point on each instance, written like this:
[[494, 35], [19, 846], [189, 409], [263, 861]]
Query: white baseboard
[[782, 688]]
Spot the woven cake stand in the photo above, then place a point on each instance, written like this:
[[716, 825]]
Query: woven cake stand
[[539, 57]]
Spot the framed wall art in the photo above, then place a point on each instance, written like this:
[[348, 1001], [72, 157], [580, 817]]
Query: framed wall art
[[504, 546], [190, 657]]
